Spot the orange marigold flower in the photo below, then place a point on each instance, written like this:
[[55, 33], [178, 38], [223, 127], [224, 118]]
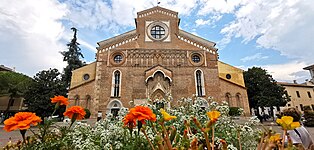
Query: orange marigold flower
[[60, 99], [129, 120], [22, 121], [78, 110], [142, 113]]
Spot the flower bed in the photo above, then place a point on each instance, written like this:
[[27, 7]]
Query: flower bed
[[189, 125]]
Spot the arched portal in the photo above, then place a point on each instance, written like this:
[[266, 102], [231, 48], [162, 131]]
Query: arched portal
[[158, 86], [113, 107]]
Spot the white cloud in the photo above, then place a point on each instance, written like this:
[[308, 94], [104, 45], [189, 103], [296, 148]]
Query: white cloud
[[288, 72], [219, 6], [30, 33], [118, 14], [286, 26], [255, 57], [210, 21]]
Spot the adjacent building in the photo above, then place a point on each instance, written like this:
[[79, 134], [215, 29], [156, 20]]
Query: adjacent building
[[157, 60], [14, 105], [300, 94]]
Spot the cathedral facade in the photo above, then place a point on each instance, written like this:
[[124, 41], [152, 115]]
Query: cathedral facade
[[156, 60]]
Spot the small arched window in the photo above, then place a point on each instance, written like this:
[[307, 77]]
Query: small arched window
[[238, 100], [228, 98], [199, 79], [88, 99], [116, 81]]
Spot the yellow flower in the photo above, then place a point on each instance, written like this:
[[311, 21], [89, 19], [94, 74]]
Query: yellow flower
[[213, 115], [287, 123], [166, 116], [274, 138]]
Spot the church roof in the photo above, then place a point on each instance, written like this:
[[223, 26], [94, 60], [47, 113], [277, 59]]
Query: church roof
[[118, 38]]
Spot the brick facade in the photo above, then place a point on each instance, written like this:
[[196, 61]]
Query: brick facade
[[155, 60]]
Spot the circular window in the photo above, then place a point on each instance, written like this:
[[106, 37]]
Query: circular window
[[117, 59], [228, 76], [157, 32], [196, 58], [86, 76]]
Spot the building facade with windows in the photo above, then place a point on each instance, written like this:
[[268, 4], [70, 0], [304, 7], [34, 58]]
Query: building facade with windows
[[156, 60], [300, 94], [13, 105]]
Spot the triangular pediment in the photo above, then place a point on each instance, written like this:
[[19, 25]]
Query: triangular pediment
[[155, 10]]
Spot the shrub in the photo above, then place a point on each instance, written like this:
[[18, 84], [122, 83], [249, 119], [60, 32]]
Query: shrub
[[87, 113], [309, 118], [234, 111]]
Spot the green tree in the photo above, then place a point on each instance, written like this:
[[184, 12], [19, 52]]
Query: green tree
[[14, 85], [72, 57], [263, 90], [48, 83]]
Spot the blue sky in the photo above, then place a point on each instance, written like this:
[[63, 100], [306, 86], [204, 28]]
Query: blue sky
[[276, 35]]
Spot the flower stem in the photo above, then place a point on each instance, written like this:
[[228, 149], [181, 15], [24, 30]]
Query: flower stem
[[73, 119], [166, 137], [207, 140], [239, 139], [56, 107], [150, 143], [283, 139], [213, 137], [23, 135]]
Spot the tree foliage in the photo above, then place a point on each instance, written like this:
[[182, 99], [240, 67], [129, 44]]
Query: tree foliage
[[263, 90], [14, 85], [47, 83], [72, 57]]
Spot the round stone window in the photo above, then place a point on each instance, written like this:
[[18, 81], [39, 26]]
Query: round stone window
[[196, 58], [157, 32], [86, 76], [228, 76], [117, 58]]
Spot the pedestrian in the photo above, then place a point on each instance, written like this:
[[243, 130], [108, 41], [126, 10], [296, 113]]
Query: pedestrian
[[99, 115], [299, 136], [260, 117]]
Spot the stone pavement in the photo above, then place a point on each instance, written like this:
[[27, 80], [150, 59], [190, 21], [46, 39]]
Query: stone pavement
[[15, 135]]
